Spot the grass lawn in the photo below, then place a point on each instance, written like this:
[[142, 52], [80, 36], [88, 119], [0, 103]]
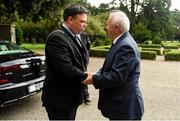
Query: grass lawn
[[33, 46]]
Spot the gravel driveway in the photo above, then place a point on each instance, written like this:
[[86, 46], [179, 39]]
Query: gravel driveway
[[160, 84]]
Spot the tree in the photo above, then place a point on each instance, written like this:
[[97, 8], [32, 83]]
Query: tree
[[95, 28], [156, 14], [34, 10], [141, 33], [175, 24], [130, 7]]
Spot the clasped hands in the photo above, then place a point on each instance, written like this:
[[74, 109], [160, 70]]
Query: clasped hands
[[89, 79]]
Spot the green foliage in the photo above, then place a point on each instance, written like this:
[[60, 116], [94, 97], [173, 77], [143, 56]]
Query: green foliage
[[171, 43], [158, 51], [141, 33], [102, 41], [100, 51], [47, 15], [175, 24], [156, 14], [33, 10], [98, 42], [170, 47], [37, 32], [157, 39], [33, 46], [170, 50], [95, 28], [172, 56], [150, 55], [150, 45], [19, 34]]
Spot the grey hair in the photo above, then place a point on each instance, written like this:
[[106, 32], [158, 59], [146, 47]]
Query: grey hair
[[120, 18]]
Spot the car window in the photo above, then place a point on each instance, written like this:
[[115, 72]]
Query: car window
[[3, 48], [9, 48]]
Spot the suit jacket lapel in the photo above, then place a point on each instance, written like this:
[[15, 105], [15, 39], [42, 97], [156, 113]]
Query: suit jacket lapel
[[76, 46]]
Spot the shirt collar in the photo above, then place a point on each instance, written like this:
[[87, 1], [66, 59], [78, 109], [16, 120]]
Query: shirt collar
[[72, 33], [68, 29], [114, 41]]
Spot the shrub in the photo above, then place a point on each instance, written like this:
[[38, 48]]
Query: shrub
[[151, 55], [157, 39], [19, 34], [102, 41], [98, 42], [150, 45], [170, 50], [157, 50], [148, 42], [98, 52], [172, 56], [141, 33], [170, 47]]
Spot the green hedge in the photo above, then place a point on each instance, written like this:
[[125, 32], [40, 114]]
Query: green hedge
[[170, 47], [171, 43], [98, 52], [150, 45], [151, 55], [170, 50], [172, 56], [157, 50]]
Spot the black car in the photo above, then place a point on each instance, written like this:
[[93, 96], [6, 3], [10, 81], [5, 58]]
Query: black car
[[22, 73]]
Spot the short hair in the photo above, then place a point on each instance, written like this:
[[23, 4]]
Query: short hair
[[74, 9], [120, 18]]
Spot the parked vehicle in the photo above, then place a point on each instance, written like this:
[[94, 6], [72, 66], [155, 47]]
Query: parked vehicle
[[22, 73]]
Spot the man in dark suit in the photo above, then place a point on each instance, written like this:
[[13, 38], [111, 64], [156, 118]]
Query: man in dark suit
[[120, 97], [85, 39], [66, 61]]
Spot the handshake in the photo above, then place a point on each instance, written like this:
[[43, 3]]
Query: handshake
[[89, 79]]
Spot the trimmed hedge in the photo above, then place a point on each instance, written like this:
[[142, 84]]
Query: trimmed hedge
[[150, 45], [157, 50], [150, 55], [170, 47], [170, 50], [172, 56], [98, 52]]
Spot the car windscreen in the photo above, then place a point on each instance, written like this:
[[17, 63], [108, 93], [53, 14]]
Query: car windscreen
[[9, 48]]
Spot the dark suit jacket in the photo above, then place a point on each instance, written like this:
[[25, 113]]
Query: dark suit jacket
[[118, 80], [66, 63]]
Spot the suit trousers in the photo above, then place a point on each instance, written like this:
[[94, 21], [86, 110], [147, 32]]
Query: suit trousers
[[61, 114]]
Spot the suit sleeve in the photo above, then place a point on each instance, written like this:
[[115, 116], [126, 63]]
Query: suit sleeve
[[120, 69], [59, 55]]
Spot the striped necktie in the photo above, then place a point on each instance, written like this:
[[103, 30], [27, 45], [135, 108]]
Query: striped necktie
[[78, 40]]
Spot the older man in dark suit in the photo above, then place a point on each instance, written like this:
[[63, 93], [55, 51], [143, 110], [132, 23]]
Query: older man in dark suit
[[120, 97], [66, 61]]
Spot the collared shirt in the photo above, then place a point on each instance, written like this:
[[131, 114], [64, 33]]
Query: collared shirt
[[76, 36], [114, 41], [72, 33]]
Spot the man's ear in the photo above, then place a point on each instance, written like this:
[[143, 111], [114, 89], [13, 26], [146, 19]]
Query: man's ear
[[70, 19], [117, 27]]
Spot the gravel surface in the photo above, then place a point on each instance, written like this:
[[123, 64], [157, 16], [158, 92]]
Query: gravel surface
[[160, 85]]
